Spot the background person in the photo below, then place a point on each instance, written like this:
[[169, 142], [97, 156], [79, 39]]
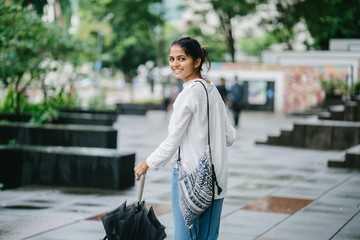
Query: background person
[[222, 89], [166, 96], [236, 100]]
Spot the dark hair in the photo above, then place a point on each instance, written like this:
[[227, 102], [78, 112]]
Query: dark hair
[[193, 49]]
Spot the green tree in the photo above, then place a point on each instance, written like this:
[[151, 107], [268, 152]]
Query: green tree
[[282, 26], [134, 27], [325, 19], [26, 44], [62, 9], [22, 47], [328, 19], [37, 5], [253, 46], [227, 12]]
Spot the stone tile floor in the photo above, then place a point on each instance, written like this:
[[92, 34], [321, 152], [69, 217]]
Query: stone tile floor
[[273, 192]]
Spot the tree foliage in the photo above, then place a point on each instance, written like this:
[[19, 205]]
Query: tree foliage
[[27, 45], [38, 5], [282, 26], [134, 27], [253, 46], [326, 19], [62, 10], [227, 12]]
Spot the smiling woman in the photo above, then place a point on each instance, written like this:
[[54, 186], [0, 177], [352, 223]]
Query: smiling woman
[[199, 112]]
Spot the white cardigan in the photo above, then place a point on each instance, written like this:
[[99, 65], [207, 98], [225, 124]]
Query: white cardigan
[[188, 129]]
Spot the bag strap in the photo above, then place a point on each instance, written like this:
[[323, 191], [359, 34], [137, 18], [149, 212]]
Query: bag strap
[[214, 180], [208, 112], [208, 121]]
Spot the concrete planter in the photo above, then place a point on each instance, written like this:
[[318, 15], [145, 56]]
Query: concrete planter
[[66, 166], [132, 108], [71, 116], [59, 135], [100, 114]]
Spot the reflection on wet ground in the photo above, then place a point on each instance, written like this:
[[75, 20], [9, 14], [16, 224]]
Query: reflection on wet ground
[[25, 207], [278, 205], [254, 186]]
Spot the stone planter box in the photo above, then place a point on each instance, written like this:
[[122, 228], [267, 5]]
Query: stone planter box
[[85, 118], [132, 108], [111, 114], [156, 106], [71, 117], [351, 159], [58, 134], [350, 111], [331, 99], [15, 117], [66, 166]]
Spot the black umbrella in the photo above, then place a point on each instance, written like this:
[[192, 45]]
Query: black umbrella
[[133, 222]]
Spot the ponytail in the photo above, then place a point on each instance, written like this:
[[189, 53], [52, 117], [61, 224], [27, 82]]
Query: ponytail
[[205, 59]]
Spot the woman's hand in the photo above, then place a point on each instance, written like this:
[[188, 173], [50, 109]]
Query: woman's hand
[[141, 169]]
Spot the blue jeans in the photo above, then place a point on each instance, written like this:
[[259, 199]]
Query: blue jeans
[[201, 223]]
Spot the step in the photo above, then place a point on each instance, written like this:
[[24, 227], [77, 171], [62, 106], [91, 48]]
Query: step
[[352, 157]]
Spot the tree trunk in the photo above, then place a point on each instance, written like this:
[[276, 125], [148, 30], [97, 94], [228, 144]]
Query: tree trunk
[[58, 13], [160, 61], [129, 79], [18, 93], [227, 30]]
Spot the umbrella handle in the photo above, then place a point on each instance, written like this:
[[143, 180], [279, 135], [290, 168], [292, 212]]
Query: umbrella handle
[[141, 187]]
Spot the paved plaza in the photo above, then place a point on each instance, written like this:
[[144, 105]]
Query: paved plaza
[[273, 192]]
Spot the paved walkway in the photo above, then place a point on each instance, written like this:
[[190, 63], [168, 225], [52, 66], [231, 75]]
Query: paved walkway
[[274, 192]]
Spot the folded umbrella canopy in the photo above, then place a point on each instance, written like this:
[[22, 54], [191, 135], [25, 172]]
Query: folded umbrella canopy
[[133, 222]]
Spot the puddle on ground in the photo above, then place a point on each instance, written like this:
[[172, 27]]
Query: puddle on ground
[[261, 166], [255, 186], [285, 177], [25, 207], [88, 204], [244, 175], [75, 211], [310, 170], [321, 180], [326, 208], [41, 201], [92, 191], [278, 205]]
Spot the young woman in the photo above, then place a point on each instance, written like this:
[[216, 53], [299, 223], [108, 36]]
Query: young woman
[[188, 128]]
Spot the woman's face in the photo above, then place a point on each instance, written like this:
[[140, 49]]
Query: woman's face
[[183, 65]]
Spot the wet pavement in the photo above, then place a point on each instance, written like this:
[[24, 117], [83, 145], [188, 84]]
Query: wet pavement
[[273, 193]]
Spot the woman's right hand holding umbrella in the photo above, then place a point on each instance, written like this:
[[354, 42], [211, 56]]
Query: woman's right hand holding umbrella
[[141, 169]]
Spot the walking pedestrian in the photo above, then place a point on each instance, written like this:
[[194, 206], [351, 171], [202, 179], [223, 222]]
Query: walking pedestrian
[[166, 96], [222, 90], [236, 100], [188, 128]]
